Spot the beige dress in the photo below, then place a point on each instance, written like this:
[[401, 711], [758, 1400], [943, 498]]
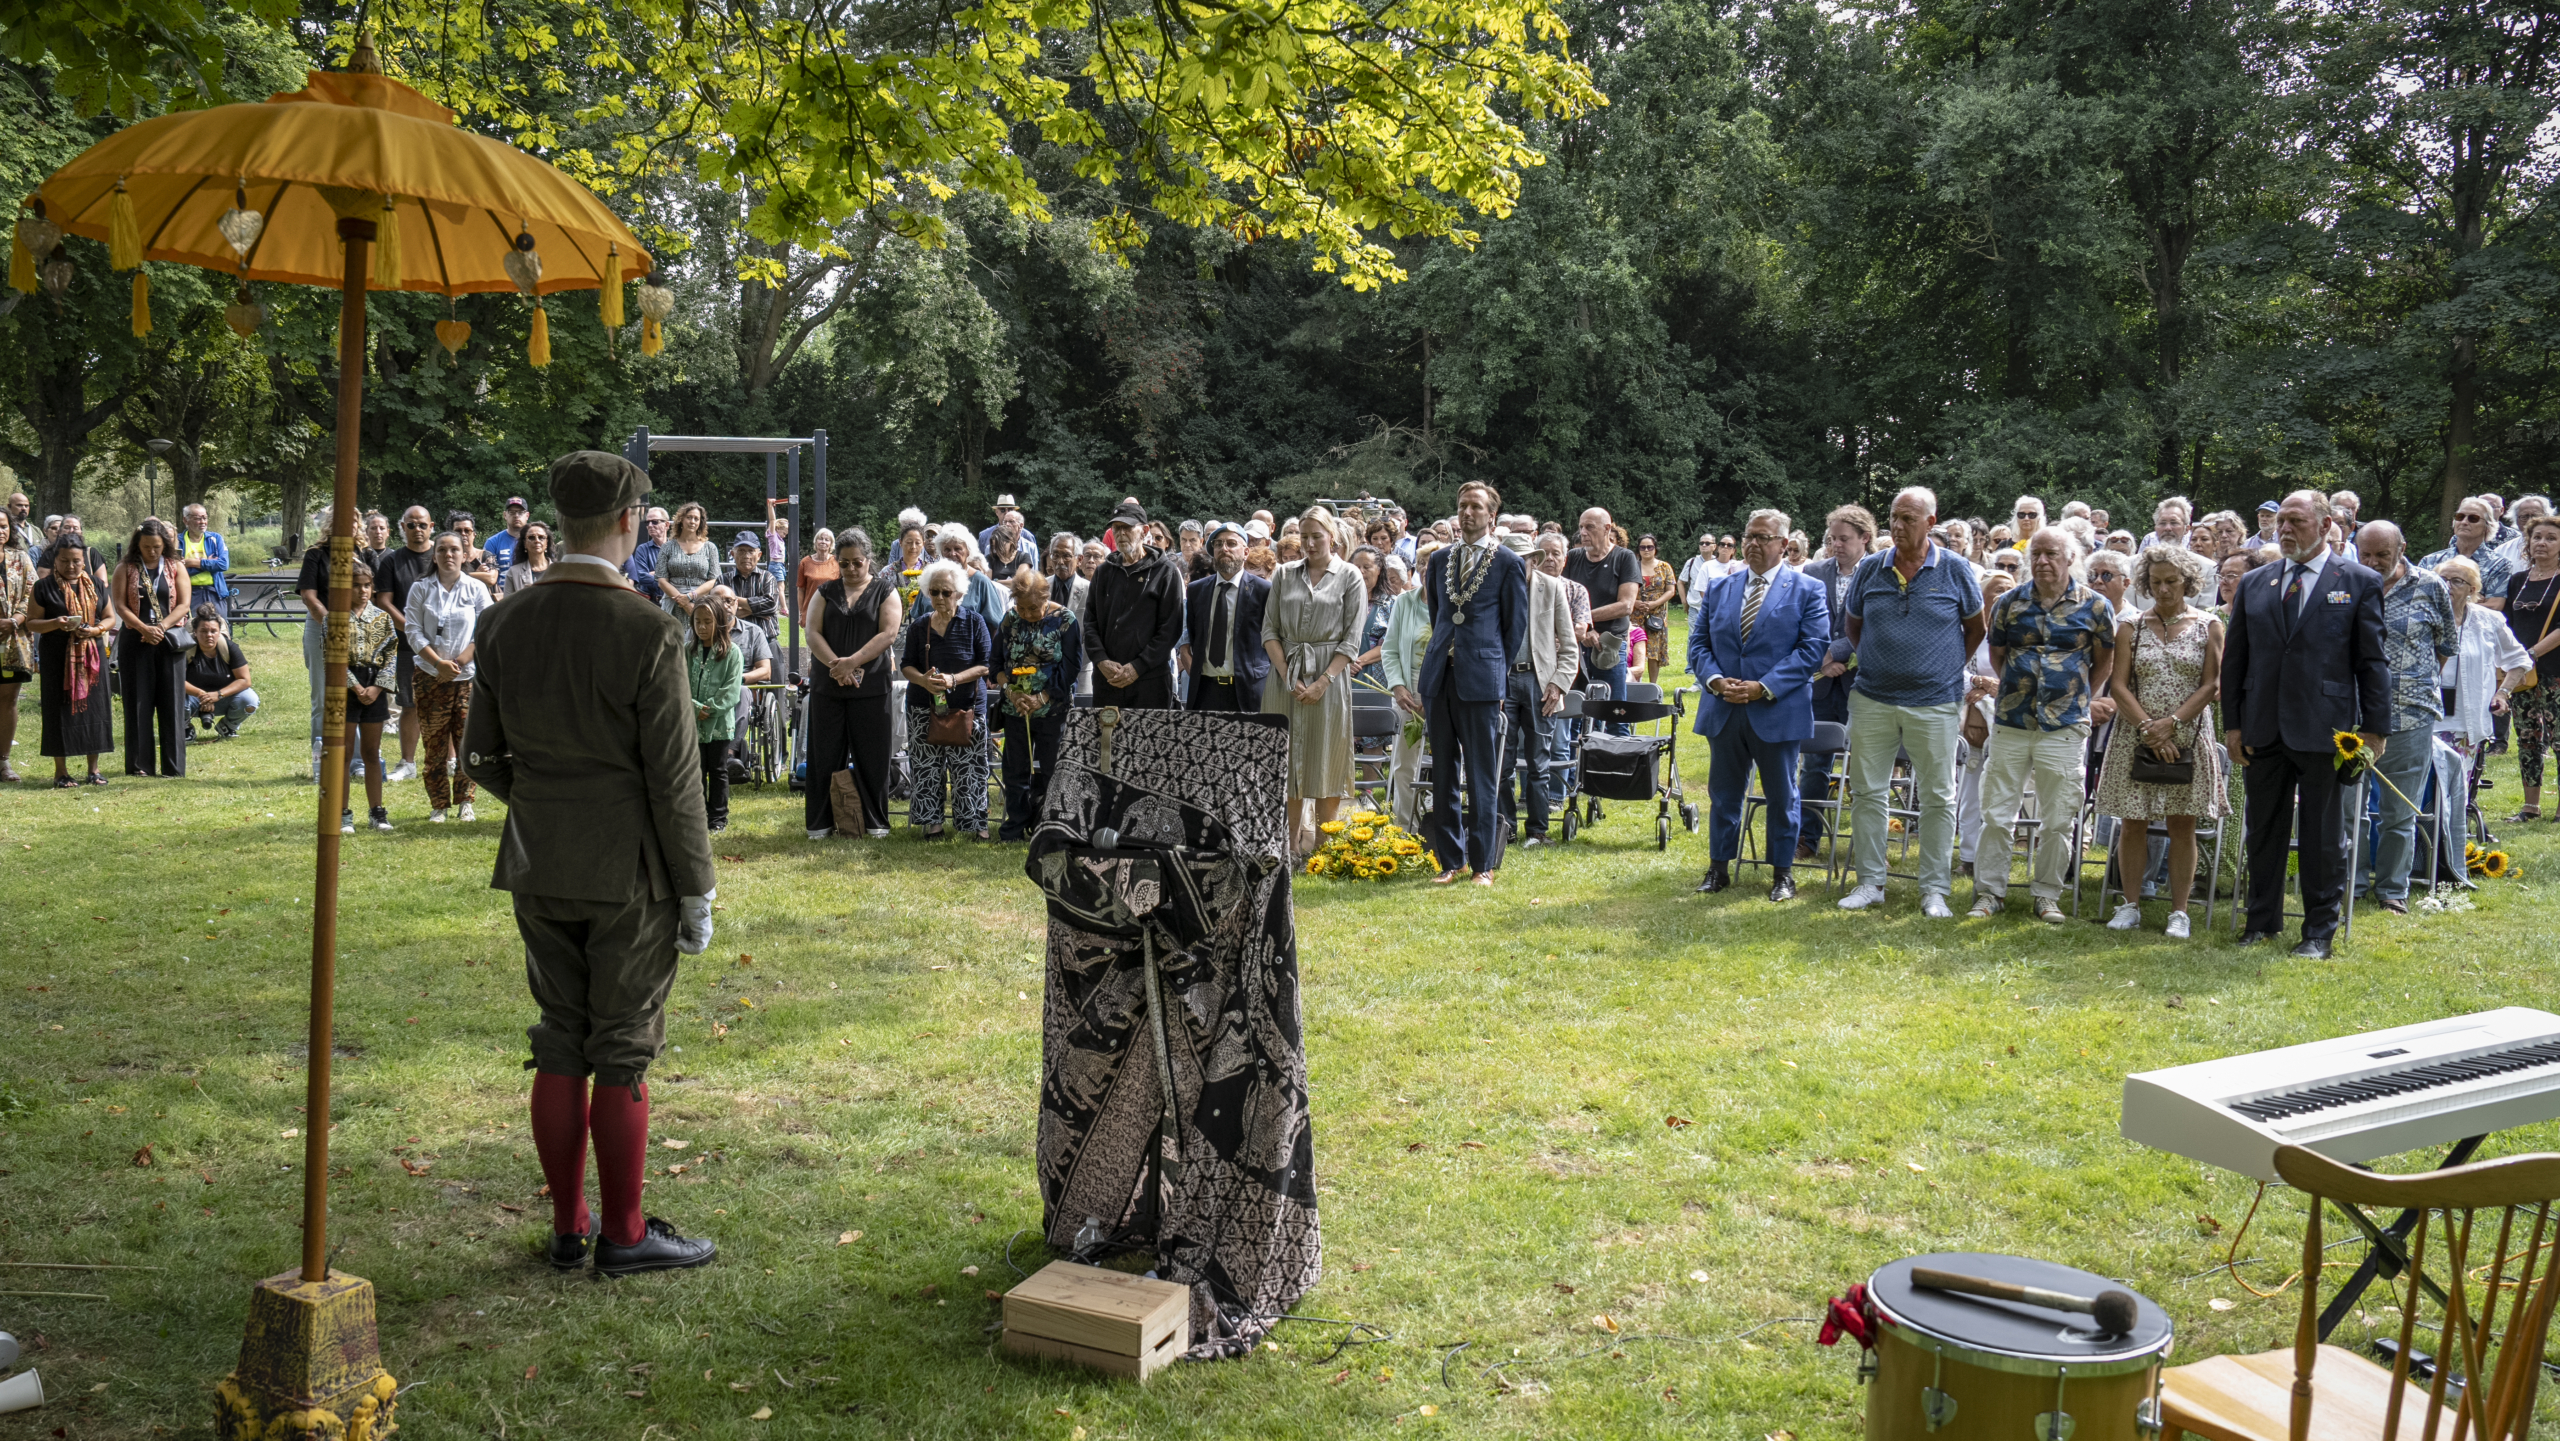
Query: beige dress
[[1314, 621]]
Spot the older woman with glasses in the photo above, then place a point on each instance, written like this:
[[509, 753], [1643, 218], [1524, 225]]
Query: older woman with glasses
[[949, 651], [2481, 677], [2473, 526], [2167, 678]]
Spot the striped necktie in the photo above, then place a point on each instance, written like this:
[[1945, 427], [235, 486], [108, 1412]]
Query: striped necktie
[[1751, 599]]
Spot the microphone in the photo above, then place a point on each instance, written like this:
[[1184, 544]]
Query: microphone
[[2114, 1311]]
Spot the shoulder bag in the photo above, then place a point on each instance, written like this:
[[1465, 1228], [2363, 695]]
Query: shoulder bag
[[2147, 768]]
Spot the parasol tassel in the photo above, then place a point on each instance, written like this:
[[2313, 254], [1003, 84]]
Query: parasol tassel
[[612, 302], [124, 232], [22, 265], [537, 349], [141, 303], [386, 246], [652, 339]]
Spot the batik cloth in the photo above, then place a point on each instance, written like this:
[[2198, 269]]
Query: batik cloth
[[1166, 871]]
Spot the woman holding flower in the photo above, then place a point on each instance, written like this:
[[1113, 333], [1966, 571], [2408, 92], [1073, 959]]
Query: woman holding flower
[[949, 651], [1039, 653], [1311, 630]]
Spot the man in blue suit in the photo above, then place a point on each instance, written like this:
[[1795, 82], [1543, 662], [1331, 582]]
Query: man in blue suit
[[1757, 644], [1479, 598], [1222, 652], [2303, 661]]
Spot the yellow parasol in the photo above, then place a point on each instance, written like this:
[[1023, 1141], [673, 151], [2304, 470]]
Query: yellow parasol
[[300, 189]]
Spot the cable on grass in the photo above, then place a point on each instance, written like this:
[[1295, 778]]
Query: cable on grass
[[2230, 1258], [1616, 1342], [1350, 1338], [1447, 1356], [1018, 1273]]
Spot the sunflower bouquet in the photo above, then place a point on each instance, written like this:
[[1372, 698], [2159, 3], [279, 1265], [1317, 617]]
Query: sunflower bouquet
[[2479, 860], [1366, 846]]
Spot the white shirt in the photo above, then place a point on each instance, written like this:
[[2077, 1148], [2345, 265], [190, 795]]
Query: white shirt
[[2313, 569], [1696, 574], [444, 619], [1234, 586]]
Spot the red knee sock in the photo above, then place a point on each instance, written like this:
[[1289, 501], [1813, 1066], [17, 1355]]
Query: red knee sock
[[619, 1121], [560, 1139]]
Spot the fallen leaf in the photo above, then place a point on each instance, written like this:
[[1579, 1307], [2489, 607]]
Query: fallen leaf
[[675, 1170], [416, 1168], [1698, 1276], [1060, 1411], [1567, 1289], [1419, 1146], [1675, 1122], [1341, 1376], [1606, 1323], [2176, 1003], [636, 1394], [745, 960], [1430, 1410], [672, 1144], [848, 1238], [142, 1157], [504, 1206], [1916, 1166], [1471, 1145], [1790, 1065], [101, 1386], [2013, 1050], [762, 1413], [1363, 1266], [529, 1370], [1780, 1436], [968, 1270], [2208, 1224], [737, 1385], [2222, 1304], [288, 1135]]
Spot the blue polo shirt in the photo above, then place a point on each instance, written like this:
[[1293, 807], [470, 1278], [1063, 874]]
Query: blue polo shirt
[[1911, 636]]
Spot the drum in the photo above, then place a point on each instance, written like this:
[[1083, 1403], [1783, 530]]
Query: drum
[[1966, 1368]]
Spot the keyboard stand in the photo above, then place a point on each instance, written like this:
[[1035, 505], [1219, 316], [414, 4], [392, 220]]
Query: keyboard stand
[[2389, 1252]]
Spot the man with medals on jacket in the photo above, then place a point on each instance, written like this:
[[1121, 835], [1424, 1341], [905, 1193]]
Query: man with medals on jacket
[[1479, 598]]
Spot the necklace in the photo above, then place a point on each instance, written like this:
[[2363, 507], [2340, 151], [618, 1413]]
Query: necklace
[[1474, 563]]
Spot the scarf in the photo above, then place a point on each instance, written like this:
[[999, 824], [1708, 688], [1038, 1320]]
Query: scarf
[[81, 658]]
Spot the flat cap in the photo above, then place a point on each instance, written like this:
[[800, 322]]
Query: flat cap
[[588, 483]]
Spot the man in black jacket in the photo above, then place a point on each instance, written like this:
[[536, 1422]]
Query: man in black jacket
[[1133, 617], [2303, 661], [1225, 656]]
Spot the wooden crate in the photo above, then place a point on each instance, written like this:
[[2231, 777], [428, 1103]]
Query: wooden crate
[[1114, 1322]]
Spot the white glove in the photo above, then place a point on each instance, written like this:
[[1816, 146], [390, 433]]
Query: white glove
[[693, 924]]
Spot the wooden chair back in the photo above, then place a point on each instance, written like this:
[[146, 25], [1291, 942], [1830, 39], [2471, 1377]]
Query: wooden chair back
[[2486, 1372]]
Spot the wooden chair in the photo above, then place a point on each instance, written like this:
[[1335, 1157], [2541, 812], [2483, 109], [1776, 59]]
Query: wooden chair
[[2485, 1373]]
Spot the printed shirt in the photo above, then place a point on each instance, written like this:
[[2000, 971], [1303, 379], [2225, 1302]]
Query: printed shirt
[[2418, 634], [2053, 652], [1036, 646], [1911, 635], [373, 642], [2494, 569]]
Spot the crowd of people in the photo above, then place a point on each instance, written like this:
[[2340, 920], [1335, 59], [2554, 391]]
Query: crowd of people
[[1987, 674]]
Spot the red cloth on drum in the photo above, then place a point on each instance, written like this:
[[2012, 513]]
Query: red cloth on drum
[[1853, 1316]]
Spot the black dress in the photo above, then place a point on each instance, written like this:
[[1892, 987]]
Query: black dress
[[82, 726], [152, 679], [850, 725]]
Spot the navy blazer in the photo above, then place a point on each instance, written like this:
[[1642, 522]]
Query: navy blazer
[[1472, 661], [1251, 663], [1785, 652], [2297, 684]]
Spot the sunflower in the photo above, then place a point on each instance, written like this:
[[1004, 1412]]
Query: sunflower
[[2350, 745], [1408, 847], [1386, 866], [1315, 865], [1332, 828], [1363, 834], [2494, 864]]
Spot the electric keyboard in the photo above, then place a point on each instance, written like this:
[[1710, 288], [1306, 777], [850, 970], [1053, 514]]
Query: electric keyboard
[[2355, 1097]]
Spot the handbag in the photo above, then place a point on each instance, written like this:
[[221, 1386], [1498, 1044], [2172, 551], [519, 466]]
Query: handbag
[[2146, 767], [953, 726], [844, 802], [2533, 673]]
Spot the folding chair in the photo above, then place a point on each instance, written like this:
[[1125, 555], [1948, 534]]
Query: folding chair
[[1375, 720], [1830, 740], [2354, 826]]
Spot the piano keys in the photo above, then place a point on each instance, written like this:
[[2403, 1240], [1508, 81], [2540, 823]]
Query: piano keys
[[2354, 1098]]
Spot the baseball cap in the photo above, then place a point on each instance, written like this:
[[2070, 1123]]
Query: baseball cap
[[515, 502], [2268, 507], [750, 540]]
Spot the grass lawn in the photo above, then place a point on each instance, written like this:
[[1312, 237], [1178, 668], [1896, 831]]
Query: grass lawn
[[859, 1055]]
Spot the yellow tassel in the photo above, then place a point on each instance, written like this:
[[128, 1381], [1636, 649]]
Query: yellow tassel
[[612, 287], [124, 233], [538, 348], [652, 339], [22, 265], [386, 246], [141, 303]]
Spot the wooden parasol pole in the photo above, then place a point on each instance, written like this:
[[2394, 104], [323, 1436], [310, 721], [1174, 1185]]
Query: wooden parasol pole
[[358, 235]]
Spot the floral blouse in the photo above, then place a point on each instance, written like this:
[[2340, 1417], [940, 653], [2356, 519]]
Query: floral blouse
[[1041, 657]]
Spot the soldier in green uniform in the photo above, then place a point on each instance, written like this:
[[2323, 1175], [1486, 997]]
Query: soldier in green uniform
[[582, 722]]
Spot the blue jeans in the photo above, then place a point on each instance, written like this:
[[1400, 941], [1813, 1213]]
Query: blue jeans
[[1555, 754], [2405, 756], [1616, 678], [228, 712]]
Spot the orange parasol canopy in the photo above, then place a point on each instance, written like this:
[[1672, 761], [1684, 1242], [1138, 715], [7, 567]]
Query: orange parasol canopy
[[335, 149]]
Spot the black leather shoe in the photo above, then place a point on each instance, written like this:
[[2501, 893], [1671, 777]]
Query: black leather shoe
[[1716, 880], [2313, 950], [2251, 938], [568, 1253], [658, 1249], [1782, 886]]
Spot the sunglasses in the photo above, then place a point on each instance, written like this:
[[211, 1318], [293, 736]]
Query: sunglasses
[[944, 594], [2471, 519]]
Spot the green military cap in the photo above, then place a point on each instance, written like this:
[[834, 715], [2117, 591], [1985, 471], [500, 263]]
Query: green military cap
[[595, 482]]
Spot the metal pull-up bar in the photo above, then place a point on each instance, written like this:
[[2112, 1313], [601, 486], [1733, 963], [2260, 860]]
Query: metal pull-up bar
[[773, 448]]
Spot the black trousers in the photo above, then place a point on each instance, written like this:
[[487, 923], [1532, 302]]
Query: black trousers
[[848, 731], [153, 685], [1462, 736], [1153, 690], [2275, 775], [1220, 697], [1030, 754], [715, 781], [1520, 742]]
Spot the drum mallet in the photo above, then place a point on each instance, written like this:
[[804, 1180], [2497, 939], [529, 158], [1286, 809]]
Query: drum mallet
[[2113, 1310]]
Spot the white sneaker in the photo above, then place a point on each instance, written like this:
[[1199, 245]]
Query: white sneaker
[[466, 812], [820, 833], [405, 771], [1934, 906], [2127, 917], [436, 817], [1863, 897], [2177, 925], [881, 834], [358, 772]]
